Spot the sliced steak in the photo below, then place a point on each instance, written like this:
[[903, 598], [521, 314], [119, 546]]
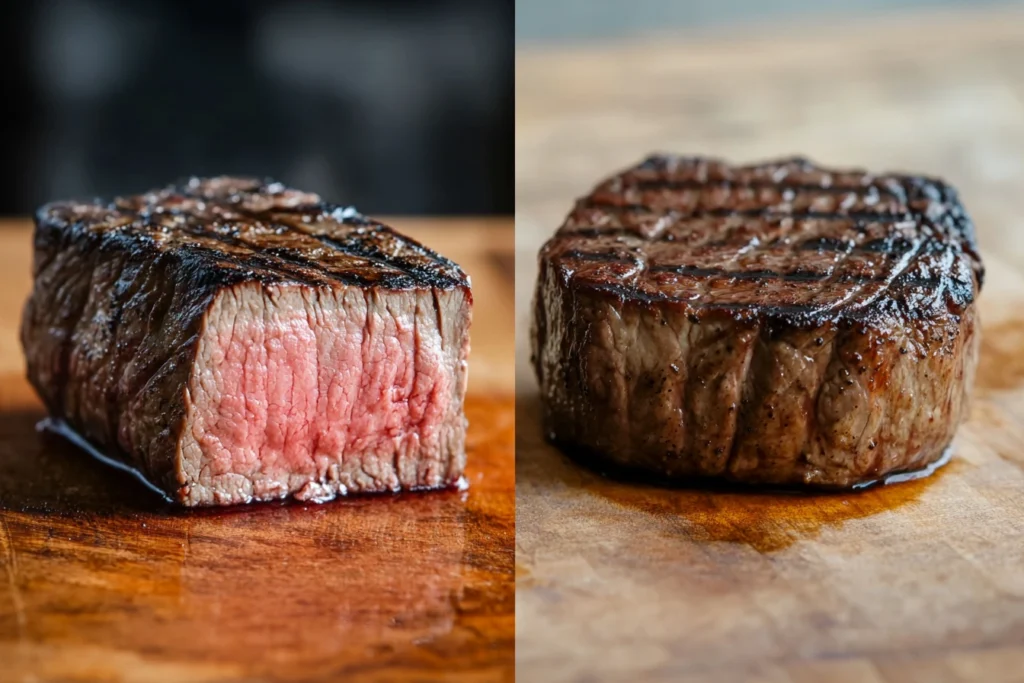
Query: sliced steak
[[236, 341], [779, 324]]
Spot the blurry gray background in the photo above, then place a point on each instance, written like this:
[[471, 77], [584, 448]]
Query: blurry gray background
[[561, 20]]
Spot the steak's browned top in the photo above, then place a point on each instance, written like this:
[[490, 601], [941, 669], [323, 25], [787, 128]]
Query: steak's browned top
[[246, 229], [787, 237]]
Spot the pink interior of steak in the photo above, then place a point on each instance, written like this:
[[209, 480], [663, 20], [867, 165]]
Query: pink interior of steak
[[318, 392]]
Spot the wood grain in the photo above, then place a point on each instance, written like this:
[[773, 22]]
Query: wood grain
[[100, 581], [916, 582]]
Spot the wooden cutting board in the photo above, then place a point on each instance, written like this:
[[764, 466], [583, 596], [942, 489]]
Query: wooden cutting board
[[918, 582], [100, 581]]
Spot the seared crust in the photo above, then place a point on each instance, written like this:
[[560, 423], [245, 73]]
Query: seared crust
[[787, 239], [242, 229], [779, 323]]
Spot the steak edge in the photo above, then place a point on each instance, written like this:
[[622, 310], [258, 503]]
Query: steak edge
[[235, 340], [780, 324]]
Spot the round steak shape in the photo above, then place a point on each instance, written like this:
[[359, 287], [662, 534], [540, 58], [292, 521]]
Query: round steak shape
[[780, 324]]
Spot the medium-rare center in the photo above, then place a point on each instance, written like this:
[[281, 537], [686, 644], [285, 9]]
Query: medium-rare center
[[235, 341], [780, 323]]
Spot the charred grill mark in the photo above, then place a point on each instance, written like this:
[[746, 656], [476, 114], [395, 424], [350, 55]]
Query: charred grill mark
[[795, 314], [272, 267], [890, 246], [426, 253], [908, 280], [601, 232], [764, 274], [899, 279], [768, 212], [275, 264], [795, 310], [901, 272], [395, 278], [399, 276], [887, 245], [797, 275], [364, 249], [359, 244], [758, 185], [610, 257], [663, 162], [827, 244], [598, 231], [263, 268]]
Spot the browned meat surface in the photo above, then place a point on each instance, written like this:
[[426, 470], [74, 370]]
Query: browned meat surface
[[237, 341], [780, 324]]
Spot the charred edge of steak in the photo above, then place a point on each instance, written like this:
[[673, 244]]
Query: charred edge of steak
[[253, 230]]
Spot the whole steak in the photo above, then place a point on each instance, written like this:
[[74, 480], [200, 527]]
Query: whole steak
[[780, 323], [236, 341]]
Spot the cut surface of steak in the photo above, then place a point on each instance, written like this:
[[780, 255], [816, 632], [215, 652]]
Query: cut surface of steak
[[779, 323], [234, 340]]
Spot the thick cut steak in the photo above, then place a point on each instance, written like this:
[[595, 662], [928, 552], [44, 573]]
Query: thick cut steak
[[237, 341], [779, 324]]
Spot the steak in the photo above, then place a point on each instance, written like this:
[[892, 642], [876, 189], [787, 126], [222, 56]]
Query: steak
[[780, 324], [237, 341]]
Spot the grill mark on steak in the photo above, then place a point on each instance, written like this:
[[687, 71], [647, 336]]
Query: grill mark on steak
[[698, 272], [759, 185], [360, 244], [372, 255], [289, 263], [828, 244], [612, 207], [608, 257], [906, 263], [270, 264]]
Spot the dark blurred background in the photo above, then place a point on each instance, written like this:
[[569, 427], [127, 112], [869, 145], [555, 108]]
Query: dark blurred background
[[396, 106]]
